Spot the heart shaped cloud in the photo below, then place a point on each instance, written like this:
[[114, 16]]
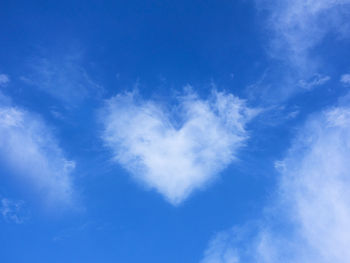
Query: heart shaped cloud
[[178, 150]]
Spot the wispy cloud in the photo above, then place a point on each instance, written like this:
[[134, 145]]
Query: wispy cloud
[[298, 26], [177, 150], [4, 80], [310, 218], [295, 31], [345, 79], [316, 80], [30, 151], [13, 211], [63, 77]]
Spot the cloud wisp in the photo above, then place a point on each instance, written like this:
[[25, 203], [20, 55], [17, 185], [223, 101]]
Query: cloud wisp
[[296, 31], [30, 151], [4, 80], [310, 218], [177, 150], [315, 81], [298, 26], [345, 80], [13, 211], [62, 77]]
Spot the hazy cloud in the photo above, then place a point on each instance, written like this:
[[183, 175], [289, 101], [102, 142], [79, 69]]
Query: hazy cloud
[[315, 81], [62, 77], [310, 219], [298, 26], [13, 211], [4, 79], [30, 151], [295, 31], [345, 79]]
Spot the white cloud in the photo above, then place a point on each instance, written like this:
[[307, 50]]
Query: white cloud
[[299, 25], [29, 150], [13, 211], [4, 79], [345, 79], [176, 151], [310, 221], [297, 33]]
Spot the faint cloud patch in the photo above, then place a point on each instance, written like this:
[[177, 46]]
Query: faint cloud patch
[[297, 26], [13, 211], [85, 228], [315, 81], [280, 166], [276, 115], [293, 114], [295, 29], [308, 219], [4, 80], [63, 77], [345, 79], [338, 116]]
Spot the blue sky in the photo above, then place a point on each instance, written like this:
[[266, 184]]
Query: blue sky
[[175, 131]]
